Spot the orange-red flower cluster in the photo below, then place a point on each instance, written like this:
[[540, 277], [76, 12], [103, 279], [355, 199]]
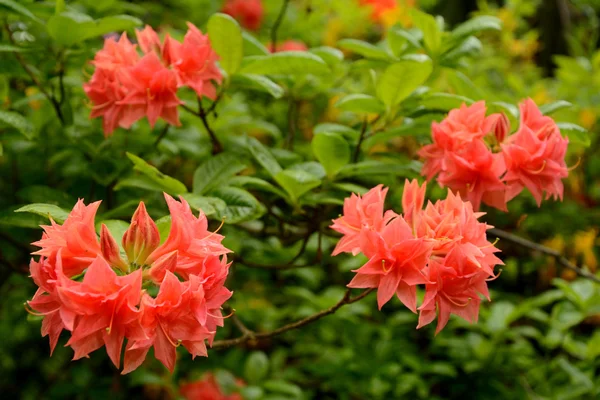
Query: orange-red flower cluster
[[443, 247], [207, 388], [248, 12], [155, 295], [126, 87], [379, 8], [475, 155]]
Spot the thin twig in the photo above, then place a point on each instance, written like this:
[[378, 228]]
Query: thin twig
[[223, 344], [291, 136], [287, 265], [162, 134], [201, 113], [36, 81], [360, 140], [277, 23], [562, 260]]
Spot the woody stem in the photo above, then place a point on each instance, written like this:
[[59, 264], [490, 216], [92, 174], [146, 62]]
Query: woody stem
[[277, 23], [201, 113], [561, 259], [346, 299]]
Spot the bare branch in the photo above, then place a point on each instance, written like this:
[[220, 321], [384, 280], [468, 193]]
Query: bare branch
[[562, 260], [223, 344], [277, 24]]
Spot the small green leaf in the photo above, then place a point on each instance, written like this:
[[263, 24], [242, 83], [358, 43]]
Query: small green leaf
[[346, 131], [208, 205], [400, 79], [116, 227], [432, 35], [258, 82], [226, 39], [252, 182], [164, 182], [360, 103], [262, 155], [256, 367], [252, 46], [46, 210], [575, 133], [9, 48], [330, 55], [551, 108], [114, 23], [476, 25], [286, 63], [69, 27], [373, 167], [445, 101], [18, 9], [296, 182], [216, 171], [18, 122], [365, 49], [241, 205], [332, 151]]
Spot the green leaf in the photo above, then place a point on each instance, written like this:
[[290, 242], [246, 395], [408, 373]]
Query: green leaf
[[69, 27], [400, 79], [256, 367], [208, 205], [332, 151], [226, 39], [296, 182], [252, 182], [18, 122], [262, 155], [432, 35], [240, 205], [373, 167], [18, 9], [364, 49], [283, 387], [476, 25], [216, 171], [463, 86], [164, 227], [445, 101], [258, 82], [346, 131], [9, 48], [252, 46], [116, 227], [551, 108], [576, 134], [360, 103], [46, 210], [164, 182], [286, 63], [469, 46], [330, 55]]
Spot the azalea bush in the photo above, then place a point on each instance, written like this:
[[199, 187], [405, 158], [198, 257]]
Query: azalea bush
[[294, 199]]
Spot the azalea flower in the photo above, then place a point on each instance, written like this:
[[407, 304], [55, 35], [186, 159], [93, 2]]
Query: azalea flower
[[442, 246], [126, 87], [248, 12], [288, 45], [207, 388], [92, 289]]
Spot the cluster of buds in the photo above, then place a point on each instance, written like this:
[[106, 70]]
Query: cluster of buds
[[443, 247], [126, 87], [476, 156], [156, 295]]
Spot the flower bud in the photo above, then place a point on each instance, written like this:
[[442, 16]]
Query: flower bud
[[501, 127], [142, 237], [162, 265], [110, 250]]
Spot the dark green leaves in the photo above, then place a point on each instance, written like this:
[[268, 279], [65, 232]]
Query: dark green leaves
[[17, 8], [296, 182], [476, 25], [215, 172], [360, 103], [17, 121], [259, 83], [226, 39], [332, 151], [240, 205], [46, 210]]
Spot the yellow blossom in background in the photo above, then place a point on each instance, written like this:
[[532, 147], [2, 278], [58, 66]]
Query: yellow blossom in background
[[584, 243], [34, 104], [587, 118], [333, 31]]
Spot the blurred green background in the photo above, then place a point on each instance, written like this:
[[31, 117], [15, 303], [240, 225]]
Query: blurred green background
[[538, 339]]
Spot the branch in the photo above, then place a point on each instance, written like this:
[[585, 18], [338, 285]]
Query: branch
[[217, 147], [562, 260], [223, 344], [277, 23], [35, 80], [360, 140]]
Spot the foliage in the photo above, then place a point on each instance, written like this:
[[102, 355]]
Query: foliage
[[299, 131]]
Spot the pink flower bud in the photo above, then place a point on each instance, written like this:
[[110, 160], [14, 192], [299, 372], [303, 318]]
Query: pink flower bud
[[159, 268], [500, 127], [110, 249], [142, 237]]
